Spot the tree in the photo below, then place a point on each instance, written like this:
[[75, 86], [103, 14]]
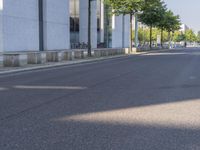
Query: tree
[[198, 37], [142, 35], [178, 36], [190, 36], [153, 11], [124, 7], [162, 23], [172, 24]]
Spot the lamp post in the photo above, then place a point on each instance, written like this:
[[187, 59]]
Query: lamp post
[[131, 34], [89, 28], [41, 28]]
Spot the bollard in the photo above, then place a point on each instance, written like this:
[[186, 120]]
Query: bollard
[[79, 54], [67, 55], [34, 58], [52, 56]]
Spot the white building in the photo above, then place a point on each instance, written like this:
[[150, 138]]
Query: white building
[[184, 28], [34, 25]]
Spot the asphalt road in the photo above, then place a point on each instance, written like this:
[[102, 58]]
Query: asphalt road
[[144, 102]]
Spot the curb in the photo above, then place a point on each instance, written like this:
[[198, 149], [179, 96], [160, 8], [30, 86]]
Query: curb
[[60, 64], [75, 62], [153, 51]]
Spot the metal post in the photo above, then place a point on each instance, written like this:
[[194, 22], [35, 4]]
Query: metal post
[[131, 35], [89, 29], [41, 25]]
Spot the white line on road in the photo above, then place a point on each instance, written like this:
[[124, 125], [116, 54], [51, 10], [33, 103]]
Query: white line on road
[[3, 89], [50, 87]]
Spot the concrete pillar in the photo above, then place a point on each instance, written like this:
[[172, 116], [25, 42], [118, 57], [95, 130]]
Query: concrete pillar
[[117, 31], [19, 25], [120, 31], [56, 24], [126, 31], [84, 22], [1, 26], [102, 21]]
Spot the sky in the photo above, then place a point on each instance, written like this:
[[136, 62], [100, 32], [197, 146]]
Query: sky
[[189, 11]]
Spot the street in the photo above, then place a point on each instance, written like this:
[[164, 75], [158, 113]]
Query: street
[[140, 102]]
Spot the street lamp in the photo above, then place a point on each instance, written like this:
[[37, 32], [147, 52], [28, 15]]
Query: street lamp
[[89, 28], [41, 28]]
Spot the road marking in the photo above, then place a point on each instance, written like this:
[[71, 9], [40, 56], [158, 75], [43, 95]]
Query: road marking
[[50, 87], [164, 53], [3, 89], [192, 78]]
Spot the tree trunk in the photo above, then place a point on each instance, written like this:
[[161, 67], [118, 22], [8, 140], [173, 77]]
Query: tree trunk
[[169, 39], [162, 38], [150, 37]]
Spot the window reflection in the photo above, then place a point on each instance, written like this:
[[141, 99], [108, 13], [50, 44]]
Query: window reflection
[[106, 18], [74, 21]]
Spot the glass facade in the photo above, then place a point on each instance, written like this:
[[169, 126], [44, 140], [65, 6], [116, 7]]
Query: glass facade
[[107, 26], [98, 21], [74, 21]]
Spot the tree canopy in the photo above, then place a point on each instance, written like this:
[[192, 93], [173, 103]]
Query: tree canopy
[[190, 36], [125, 6], [153, 13]]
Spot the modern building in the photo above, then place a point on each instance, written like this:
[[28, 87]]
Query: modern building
[[36, 25], [184, 28]]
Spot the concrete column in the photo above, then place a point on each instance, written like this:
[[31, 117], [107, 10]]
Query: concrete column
[[126, 31], [1, 26], [117, 32], [84, 22], [19, 25], [120, 31], [102, 21], [56, 25]]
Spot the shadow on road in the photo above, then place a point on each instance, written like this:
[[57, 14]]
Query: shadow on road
[[149, 102]]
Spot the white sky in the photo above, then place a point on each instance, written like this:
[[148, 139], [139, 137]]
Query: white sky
[[189, 11]]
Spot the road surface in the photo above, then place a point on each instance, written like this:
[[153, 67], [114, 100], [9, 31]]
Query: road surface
[[143, 102]]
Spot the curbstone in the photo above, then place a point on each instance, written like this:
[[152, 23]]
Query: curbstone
[[52, 56], [79, 54], [34, 58], [97, 53], [67, 55], [14, 60]]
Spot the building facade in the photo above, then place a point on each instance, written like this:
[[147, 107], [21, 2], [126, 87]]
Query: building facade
[[184, 28], [36, 25]]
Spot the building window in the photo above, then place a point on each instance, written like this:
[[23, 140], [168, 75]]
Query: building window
[[98, 21], [74, 21], [108, 26]]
